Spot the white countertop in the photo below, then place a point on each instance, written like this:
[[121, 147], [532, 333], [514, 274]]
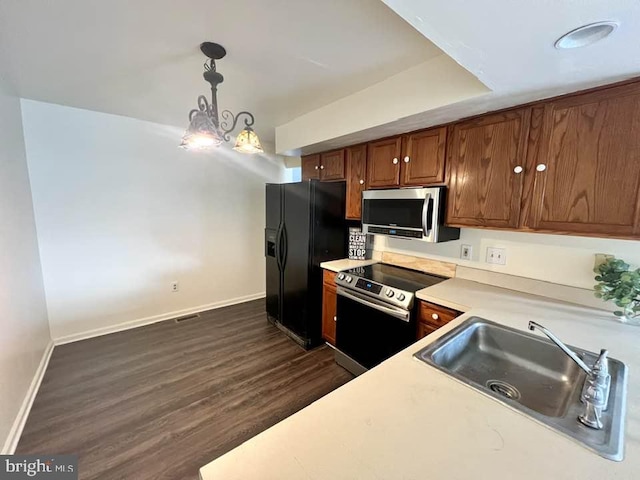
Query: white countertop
[[406, 420], [346, 264]]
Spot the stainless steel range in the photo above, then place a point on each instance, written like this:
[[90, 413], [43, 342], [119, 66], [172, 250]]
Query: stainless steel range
[[376, 313]]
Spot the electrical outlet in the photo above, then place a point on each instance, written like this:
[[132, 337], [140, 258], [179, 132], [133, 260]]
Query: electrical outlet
[[497, 256], [600, 259], [175, 286], [466, 251]]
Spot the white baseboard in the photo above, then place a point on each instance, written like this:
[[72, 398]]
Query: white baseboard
[[153, 319], [18, 425]]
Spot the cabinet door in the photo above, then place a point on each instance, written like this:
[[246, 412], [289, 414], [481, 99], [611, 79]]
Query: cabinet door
[[311, 167], [485, 185], [435, 315], [585, 155], [332, 166], [423, 157], [329, 305], [356, 183], [383, 163], [424, 329]]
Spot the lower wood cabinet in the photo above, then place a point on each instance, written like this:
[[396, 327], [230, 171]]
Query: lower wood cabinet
[[431, 317], [329, 304]]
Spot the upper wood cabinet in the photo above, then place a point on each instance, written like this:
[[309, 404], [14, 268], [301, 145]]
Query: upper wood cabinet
[[311, 167], [423, 157], [356, 159], [409, 160], [383, 162], [327, 166], [332, 166], [485, 165], [584, 154]]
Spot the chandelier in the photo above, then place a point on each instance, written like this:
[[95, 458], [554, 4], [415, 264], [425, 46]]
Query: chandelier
[[206, 130]]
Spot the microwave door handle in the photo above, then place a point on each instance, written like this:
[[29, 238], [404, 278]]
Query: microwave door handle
[[427, 215], [393, 311]]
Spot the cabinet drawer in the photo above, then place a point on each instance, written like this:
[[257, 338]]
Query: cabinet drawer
[[425, 329], [436, 315], [329, 277]]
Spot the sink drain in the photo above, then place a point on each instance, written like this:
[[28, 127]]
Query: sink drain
[[504, 389]]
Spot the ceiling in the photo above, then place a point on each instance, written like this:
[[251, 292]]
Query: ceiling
[[141, 58], [509, 45]]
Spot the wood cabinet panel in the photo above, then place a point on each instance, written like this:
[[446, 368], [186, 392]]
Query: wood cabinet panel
[[311, 167], [356, 158], [589, 145], [484, 189], [329, 311], [329, 277], [383, 163], [332, 166], [435, 315], [424, 329], [423, 157]]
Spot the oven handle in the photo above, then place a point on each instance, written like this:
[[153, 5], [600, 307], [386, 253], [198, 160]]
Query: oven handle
[[396, 312]]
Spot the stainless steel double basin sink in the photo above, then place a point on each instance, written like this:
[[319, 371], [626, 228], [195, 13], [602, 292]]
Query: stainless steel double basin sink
[[530, 374]]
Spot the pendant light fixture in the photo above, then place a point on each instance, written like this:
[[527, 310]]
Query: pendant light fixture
[[205, 128]]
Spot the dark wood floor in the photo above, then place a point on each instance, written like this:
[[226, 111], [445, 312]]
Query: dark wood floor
[[160, 401]]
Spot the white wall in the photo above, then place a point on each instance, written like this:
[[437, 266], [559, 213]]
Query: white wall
[[24, 332], [562, 259], [122, 212]]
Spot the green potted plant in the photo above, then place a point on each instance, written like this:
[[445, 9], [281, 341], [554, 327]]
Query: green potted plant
[[617, 282]]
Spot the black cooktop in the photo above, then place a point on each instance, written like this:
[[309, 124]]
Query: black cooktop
[[396, 277]]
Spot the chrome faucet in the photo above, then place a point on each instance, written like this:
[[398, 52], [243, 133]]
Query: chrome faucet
[[595, 391]]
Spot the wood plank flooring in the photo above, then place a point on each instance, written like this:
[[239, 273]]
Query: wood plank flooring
[[159, 402]]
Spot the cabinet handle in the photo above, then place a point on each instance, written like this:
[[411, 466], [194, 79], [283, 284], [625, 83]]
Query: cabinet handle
[[395, 161], [335, 319], [316, 167], [435, 316], [361, 182], [321, 167], [518, 169], [541, 167], [406, 159]]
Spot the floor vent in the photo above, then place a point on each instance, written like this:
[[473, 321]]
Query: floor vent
[[187, 317]]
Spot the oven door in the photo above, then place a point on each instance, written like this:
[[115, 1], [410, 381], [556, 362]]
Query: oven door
[[369, 331]]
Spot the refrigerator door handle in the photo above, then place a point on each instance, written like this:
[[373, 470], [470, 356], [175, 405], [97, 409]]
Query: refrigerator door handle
[[278, 250], [285, 247]]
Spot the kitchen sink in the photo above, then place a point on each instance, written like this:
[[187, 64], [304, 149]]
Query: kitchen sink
[[532, 375]]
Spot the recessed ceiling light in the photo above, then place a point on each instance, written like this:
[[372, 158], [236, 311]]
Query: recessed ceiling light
[[586, 35]]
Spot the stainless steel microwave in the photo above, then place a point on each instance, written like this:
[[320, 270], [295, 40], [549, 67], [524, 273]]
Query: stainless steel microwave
[[411, 213]]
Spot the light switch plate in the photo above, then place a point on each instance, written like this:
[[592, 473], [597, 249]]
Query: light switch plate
[[497, 256], [600, 259], [466, 252]]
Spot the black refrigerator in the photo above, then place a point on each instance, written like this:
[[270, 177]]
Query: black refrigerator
[[305, 226]]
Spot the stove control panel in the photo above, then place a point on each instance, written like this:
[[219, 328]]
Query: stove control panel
[[392, 296]]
